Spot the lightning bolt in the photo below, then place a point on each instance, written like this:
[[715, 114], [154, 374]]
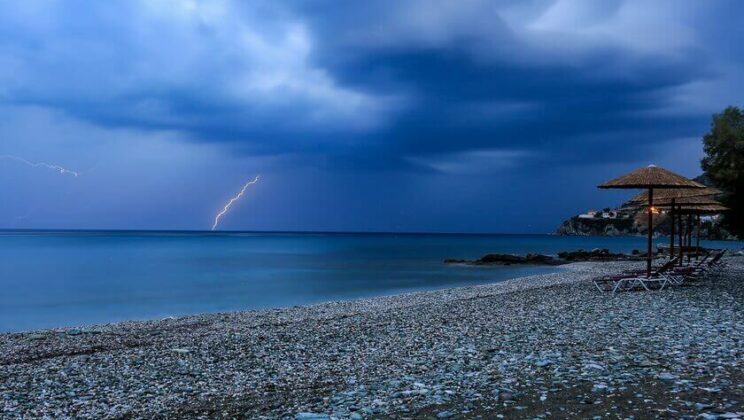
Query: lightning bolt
[[231, 202], [61, 170]]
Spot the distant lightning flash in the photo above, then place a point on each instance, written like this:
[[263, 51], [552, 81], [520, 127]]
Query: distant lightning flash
[[57, 168], [231, 202]]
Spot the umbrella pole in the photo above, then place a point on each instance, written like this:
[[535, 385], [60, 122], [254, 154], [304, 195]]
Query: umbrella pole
[[697, 242], [689, 236], [679, 234], [650, 230], [671, 236]]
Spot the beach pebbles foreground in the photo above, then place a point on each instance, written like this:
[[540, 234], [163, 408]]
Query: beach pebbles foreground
[[542, 346]]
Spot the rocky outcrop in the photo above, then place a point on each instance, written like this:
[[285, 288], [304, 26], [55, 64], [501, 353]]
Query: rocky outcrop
[[509, 259], [540, 259], [598, 255]]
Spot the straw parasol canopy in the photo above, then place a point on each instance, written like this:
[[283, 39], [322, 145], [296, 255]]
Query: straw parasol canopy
[[666, 203], [700, 208], [649, 178], [662, 194], [683, 201], [692, 210], [673, 201]]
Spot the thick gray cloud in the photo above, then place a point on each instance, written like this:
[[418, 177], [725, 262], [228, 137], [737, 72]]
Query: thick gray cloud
[[376, 80], [425, 88]]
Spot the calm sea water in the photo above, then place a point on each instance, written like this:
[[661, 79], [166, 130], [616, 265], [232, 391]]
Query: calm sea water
[[52, 279]]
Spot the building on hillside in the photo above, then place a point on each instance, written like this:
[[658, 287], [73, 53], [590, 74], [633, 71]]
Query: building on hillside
[[621, 213], [591, 214]]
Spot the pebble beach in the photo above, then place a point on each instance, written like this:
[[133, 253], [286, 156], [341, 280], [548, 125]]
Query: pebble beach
[[548, 346]]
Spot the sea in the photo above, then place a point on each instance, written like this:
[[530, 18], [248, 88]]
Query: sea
[[72, 278]]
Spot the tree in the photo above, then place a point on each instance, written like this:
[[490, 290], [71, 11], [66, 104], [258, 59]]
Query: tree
[[724, 163]]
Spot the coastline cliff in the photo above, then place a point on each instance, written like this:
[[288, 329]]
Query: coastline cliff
[[628, 220], [634, 225]]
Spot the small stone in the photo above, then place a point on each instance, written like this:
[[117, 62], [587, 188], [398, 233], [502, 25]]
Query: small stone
[[181, 351], [666, 376], [599, 387], [312, 416], [543, 363], [444, 415], [506, 396]]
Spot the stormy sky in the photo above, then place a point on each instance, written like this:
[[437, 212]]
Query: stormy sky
[[422, 116]]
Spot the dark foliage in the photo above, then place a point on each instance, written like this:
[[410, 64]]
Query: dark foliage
[[724, 163]]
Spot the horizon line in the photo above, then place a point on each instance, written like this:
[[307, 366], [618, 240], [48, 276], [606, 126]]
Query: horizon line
[[219, 232]]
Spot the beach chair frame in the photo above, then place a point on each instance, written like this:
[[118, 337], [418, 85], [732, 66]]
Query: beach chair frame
[[636, 280]]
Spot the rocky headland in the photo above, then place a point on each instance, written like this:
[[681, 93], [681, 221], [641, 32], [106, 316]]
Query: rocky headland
[[635, 226], [630, 220]]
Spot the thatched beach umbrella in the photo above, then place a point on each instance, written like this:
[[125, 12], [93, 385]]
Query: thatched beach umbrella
[[684, 201], [701, 209], [683, 198], [696, 210], [668, 194], [649, 178], [673, 196]]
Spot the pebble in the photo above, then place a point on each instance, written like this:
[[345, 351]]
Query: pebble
[[312, 416], [667, 376], [506, 346]]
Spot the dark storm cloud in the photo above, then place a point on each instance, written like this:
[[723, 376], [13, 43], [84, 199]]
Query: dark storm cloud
[[462, 104], [417, 115], [472, 93], [378, 84]]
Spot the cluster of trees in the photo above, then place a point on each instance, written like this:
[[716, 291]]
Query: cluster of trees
[[723, 164]]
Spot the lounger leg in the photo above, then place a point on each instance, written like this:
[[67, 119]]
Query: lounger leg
[[643, 283], [614, 290], [632, 284]]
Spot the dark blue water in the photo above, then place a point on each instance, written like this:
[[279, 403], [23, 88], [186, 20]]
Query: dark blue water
[[51, 279]]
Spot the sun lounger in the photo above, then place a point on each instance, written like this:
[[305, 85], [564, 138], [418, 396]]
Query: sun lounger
[[704, 266], [633, 280], [667, 274], [666, 271]]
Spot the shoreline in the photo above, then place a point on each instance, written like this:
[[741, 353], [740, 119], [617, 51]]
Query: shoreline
[[492, 348], [525, 283], [394, 295]]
